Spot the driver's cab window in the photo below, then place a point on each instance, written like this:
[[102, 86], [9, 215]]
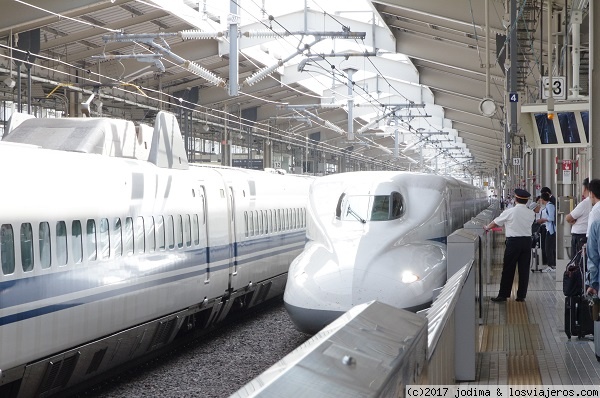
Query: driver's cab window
[[365, 208]]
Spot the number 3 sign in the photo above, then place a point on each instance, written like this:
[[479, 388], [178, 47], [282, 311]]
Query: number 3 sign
[[559, 89]]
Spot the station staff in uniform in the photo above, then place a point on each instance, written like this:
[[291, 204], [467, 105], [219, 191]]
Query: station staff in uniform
[[517, 222]]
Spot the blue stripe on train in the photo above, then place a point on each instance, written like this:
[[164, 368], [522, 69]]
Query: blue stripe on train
[[81, 277]]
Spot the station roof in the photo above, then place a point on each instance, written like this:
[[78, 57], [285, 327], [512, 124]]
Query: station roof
[[417, 70]]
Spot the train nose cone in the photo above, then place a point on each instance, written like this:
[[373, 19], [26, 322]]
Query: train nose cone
[[318, 289]]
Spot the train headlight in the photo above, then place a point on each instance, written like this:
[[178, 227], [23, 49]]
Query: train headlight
[[301, 278], [409, 277]]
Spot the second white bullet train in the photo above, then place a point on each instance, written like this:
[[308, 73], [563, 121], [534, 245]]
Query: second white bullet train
[[375, 236], [111, 246]]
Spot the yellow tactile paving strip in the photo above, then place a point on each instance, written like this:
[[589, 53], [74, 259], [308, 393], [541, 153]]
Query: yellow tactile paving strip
[[512, 335]]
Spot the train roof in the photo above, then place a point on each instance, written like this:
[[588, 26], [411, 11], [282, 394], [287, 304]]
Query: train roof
[[407, 177], [161, 144]]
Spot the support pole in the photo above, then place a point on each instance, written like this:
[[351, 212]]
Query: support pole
[[487, 49], [234, 63], [513, 69], [350, 72], [594, 84], [576, 17]]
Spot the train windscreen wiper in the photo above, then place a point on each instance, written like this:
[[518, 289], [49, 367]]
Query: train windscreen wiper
[[359, 218]]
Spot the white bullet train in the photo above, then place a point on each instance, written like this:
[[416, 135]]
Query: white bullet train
[[111, 245], [375, 235]]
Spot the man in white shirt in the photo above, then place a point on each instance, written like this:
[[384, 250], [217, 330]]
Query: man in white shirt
[[578, 219], [593, 242], [595, 213], [517, 221]]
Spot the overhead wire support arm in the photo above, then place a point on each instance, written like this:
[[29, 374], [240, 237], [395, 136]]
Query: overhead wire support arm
[[270, 33], [391, 112], [264, 72], [189, 65], [309, 106]]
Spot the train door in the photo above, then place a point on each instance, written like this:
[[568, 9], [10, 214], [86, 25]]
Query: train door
[[201, 230], [232, 230]]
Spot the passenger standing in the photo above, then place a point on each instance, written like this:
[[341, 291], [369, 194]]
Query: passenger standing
[[595, 198], [517, 221], [543, 226], [548, 217], [578, 219], [593, 238], [510, 203]]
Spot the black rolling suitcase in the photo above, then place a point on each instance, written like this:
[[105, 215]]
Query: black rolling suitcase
[[596, 318], [534, 264], [578, 320], [578, 316]]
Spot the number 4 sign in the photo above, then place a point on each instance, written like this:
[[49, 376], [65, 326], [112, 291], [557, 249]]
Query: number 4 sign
[[559, 90]]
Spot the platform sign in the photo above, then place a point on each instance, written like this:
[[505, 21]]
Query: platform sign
[[567, 171], [559, 88], [513, 97], [516, 161]]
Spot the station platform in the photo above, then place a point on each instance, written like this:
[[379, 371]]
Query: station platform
[[524, 343]]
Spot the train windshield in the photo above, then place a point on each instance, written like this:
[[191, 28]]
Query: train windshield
[[363, 208]]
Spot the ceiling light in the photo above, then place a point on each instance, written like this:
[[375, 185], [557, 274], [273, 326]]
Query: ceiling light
[[10, 83]]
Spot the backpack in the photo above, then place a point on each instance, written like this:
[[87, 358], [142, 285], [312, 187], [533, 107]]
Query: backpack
[[573, 276]]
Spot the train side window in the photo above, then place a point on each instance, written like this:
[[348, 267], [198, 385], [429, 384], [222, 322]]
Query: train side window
[[160, 233], [338, 208], [77, 241], [7, 249], [179, 229], [170, 233], [139, 245], [278, 219], [117, 239], [128, 236], [150, 240], [295, 218], [270, 220], [256, 223], [90, 240], [260, 222], [284, 219], [45, 245], [104, 239], [196, 229], [246, 223], [62, 254], [397, 209], [26, 247], [187, 232], [287, 219], [266, 221]]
